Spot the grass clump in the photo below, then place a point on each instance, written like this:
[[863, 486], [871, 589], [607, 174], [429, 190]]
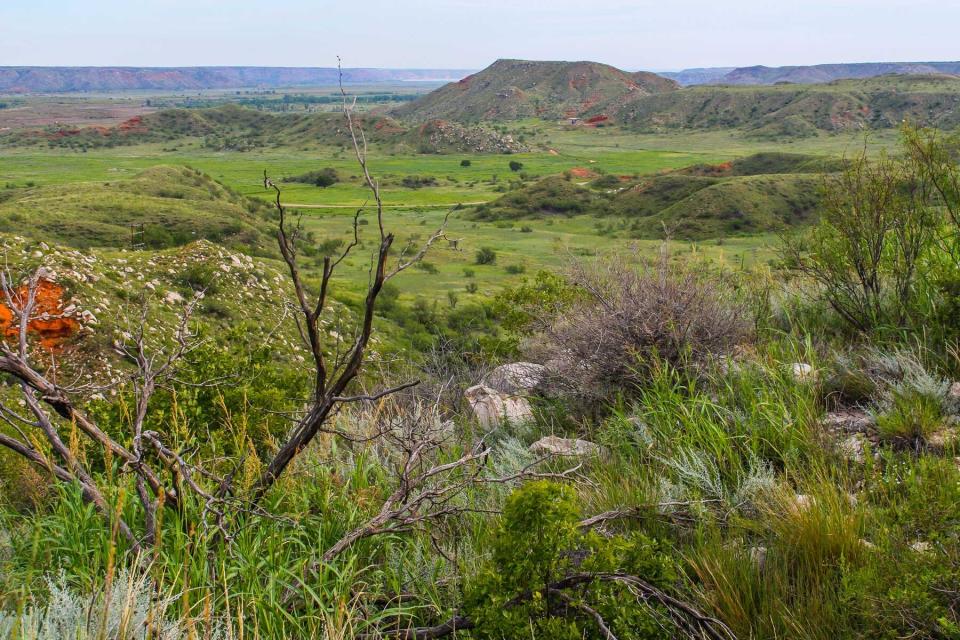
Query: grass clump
[[911, 419]]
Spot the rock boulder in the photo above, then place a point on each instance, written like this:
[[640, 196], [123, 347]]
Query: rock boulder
[[493, 408], [517, 378]]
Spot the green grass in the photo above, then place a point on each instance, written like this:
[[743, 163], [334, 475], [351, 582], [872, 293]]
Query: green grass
[[75, 176], [550, 244]]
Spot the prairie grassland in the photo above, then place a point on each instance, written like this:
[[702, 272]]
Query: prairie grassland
[[539, 244]]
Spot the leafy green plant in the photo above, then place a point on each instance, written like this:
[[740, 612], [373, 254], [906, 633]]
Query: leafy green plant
[[881, 221], [540, 545], [200, 277]]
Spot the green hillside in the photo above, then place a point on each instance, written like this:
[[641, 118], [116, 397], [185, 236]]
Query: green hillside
[[747, 205], [766, 162], [802, 110], [749, 195], [174, 205], [513, 89]]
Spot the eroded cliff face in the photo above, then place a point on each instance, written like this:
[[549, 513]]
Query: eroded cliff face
[[52, 323]]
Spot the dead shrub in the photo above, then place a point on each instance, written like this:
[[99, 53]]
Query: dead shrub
[[634, 315]]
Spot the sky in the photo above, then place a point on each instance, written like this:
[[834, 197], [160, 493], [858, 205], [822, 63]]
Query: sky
[[470, 34]]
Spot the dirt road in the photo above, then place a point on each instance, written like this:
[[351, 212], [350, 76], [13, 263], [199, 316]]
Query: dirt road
[[386, 206]]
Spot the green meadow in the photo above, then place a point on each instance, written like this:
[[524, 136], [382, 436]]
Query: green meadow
[[522, 247]]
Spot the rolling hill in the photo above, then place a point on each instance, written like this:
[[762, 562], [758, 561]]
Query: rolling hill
[[236, 128], [74, 79], [161, 207], [513, 89], [760, 193]]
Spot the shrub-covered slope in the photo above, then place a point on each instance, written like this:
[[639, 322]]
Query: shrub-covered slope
[[236, 128], [513, 89], [800, 111]]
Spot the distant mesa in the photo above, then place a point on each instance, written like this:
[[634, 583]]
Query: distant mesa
[[808, 74], [77, 79]]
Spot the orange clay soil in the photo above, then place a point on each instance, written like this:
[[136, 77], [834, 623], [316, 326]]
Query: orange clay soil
[[48, 324], [580, 172]]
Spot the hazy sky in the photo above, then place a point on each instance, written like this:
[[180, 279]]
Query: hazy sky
[[662, 34]]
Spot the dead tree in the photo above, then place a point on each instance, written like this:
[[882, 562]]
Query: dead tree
[[334, 374], [161, 474]]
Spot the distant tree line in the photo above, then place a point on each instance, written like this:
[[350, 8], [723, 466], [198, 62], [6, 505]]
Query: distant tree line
[[286, 102]]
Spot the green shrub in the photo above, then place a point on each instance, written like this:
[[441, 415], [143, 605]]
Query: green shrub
[[200, 277], [429, 267], [322, 178], [465, 163], [486, 255], [608, 181], [329, 247], [538, 543], [870, 251], [418, 182]]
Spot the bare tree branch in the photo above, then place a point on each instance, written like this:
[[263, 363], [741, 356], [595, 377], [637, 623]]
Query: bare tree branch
[[334, 375]]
